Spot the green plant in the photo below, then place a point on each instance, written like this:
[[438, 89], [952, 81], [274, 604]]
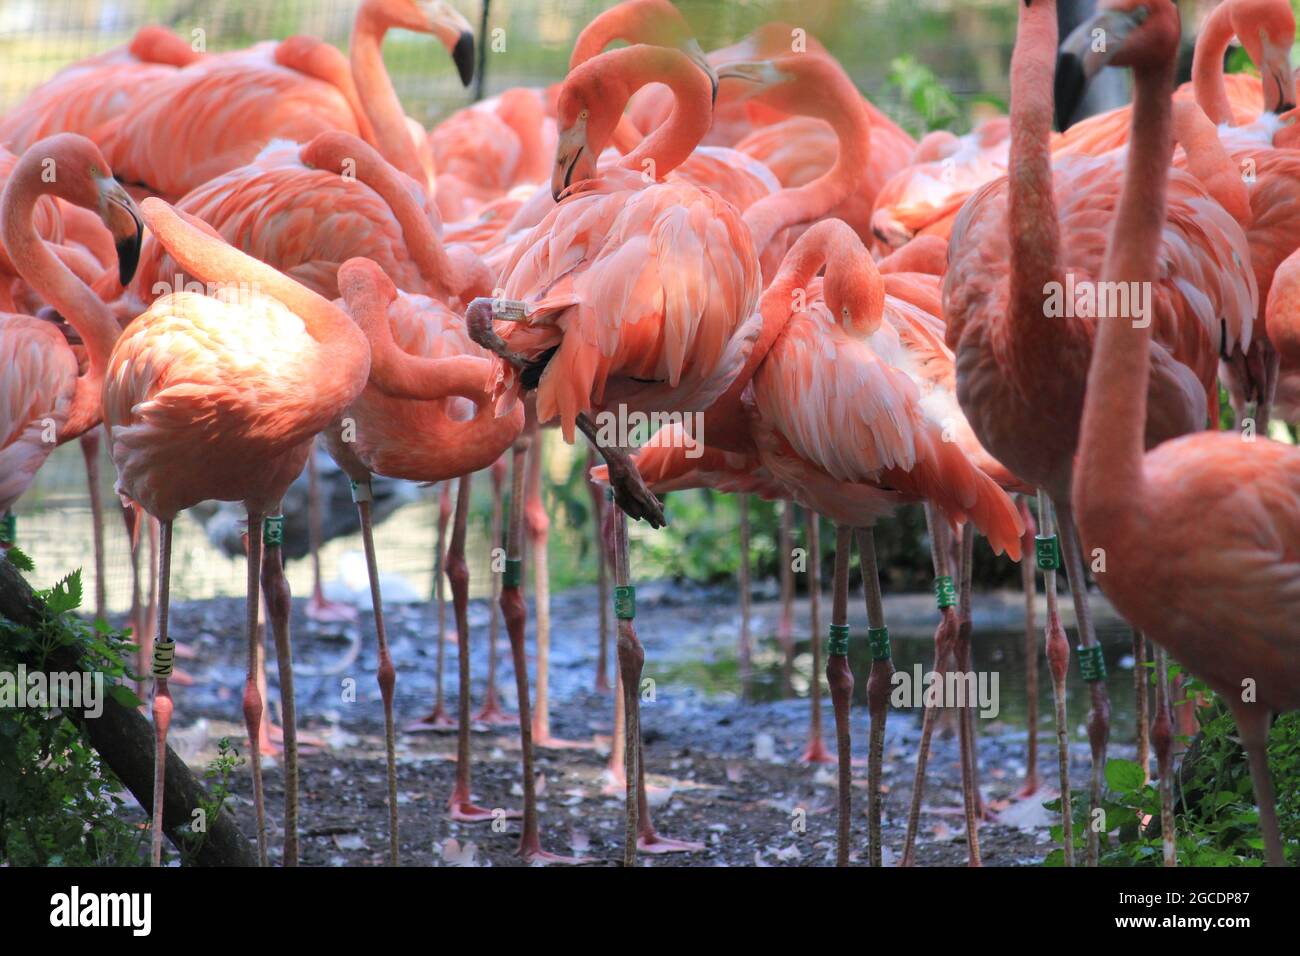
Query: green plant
[[59, 804], [923, 94], [218, 773]]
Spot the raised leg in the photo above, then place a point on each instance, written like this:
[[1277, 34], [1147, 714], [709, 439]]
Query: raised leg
[[492, 712], [1092, 666], [1253, 722], [785, 626], [387, 673], [602, 575], [515, 613], [90, 452], [163, 655], [318, 607], [1163, 738], [840, 678], [945, 636], [252, 698], [879, 684], [1141, 715], [278, 606], [816, 751], [1048, 558], [744, 650], [438, 718], [1029, 582]]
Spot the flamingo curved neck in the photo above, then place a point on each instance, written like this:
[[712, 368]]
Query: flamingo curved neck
[[1031, 200], [379, 99], [58, 286], [673, 142], [1207, 64], [1109, 476], [840, 105]]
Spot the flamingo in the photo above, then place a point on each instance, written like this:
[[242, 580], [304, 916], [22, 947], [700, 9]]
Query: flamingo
[[219, 114], [218, 397], [879, 358], [635, 294], [84, 96], [49, 399], [1020, 376], [421, 359], [1164, 570]]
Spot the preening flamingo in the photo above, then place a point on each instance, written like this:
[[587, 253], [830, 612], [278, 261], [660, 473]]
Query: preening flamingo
[[219, 114], [1200, 533], [635, 294], [1021, 365], [421, 362], [218, 397]]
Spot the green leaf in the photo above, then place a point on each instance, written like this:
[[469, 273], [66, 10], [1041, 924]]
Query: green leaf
[[1124, 775], [19, 559]]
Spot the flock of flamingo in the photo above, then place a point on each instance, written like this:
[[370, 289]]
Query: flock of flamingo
[[210, 259]]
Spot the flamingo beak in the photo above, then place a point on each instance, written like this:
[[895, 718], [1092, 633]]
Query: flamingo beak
[[455, 33], [573, 160], [1277, 78], [760, 74], [692, 49], [122, 219], [1092, 45]]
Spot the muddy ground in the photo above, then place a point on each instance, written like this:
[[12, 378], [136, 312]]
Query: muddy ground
[[725, 774]]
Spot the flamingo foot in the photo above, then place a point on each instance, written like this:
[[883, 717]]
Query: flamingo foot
[[494, 716], [531, 852], [653, 843], [181, 678], [464, 811], [436, 721], [1030, 788], [556, 743], [816, 752], [324, 611], [273, 737]]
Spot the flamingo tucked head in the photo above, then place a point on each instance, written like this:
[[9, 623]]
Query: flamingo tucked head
[[854, 292], [78, 173], [436, 17], [1143, 34]]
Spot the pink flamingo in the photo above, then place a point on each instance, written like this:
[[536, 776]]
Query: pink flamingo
[[672, 264], [205, 398], [1020, 378], [1161, 516], [50, 399], [421, 360]]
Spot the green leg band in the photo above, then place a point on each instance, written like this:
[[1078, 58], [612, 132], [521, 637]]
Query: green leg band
[[273, 531], [513, 573], [1092, 664], [625, 602], [1047, 552], [838, 644], [945, 592], [878, 639]]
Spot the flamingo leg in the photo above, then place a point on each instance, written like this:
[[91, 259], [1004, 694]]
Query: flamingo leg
[[966, 709], [278, 605], [879, 684], [816, 750], [840, 678], [252, 698], [135, 616], [1030, 584], [491, 713], [1058, 661], [162, 698], [602, 576], [616, 771], [438, 718], [785, 627], [1093, 667], [1253, 722], [1141, 678], [90, 452], [744, 651], [515, 613], [387, 673], [1163, 738], [318, 607], [461, 807]]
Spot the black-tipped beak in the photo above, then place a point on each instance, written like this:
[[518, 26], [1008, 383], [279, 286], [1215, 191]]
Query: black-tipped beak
[[128, 249], [463, 56], [122, 219], [1285, 92], [1083, 54]]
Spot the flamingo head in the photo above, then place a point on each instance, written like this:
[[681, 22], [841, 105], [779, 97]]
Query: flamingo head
[[1266, 29], [437, 18], [1143, 34], [77, 172], [795, 83], [584, 125], [854, 292]]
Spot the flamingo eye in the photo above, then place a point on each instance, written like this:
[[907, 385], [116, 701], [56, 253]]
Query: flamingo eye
[[844, 314], [583, 115]]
